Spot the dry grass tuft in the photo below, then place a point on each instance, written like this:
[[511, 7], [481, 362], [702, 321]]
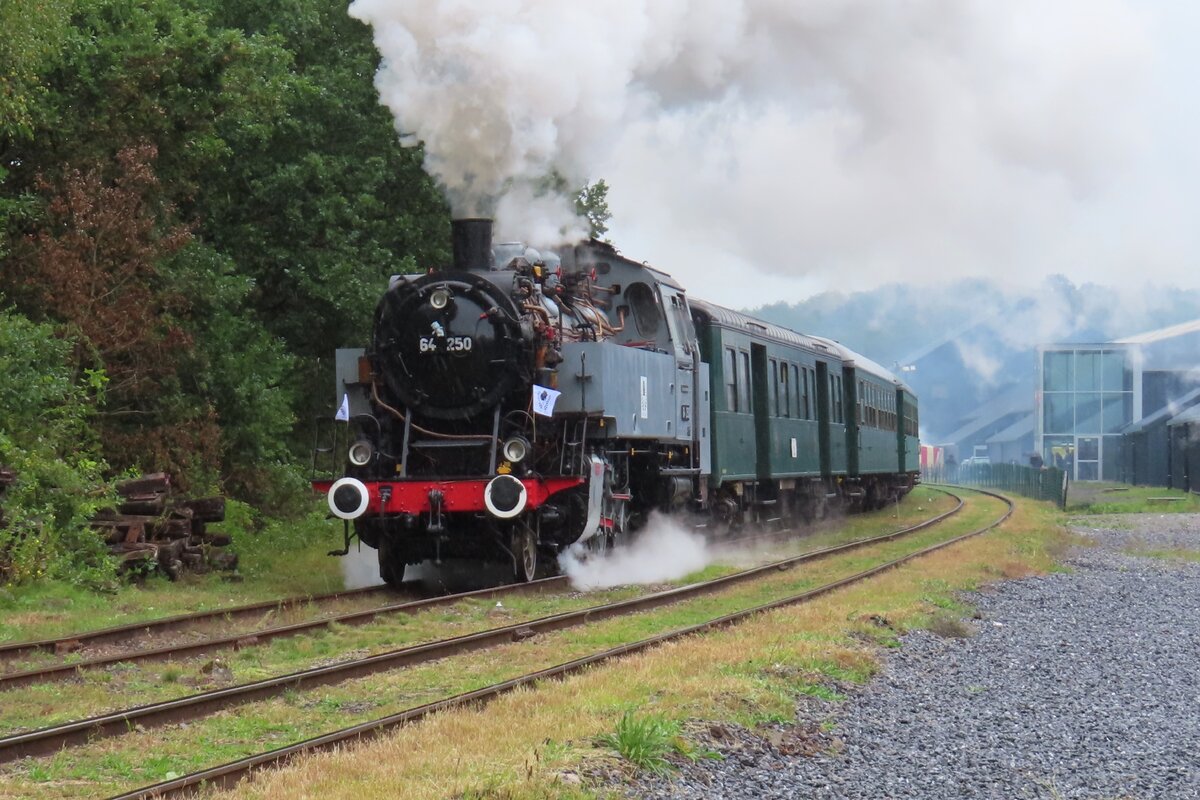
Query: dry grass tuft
[[951, 627]]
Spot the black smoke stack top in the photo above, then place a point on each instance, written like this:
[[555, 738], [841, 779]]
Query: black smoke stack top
[[472, 242]]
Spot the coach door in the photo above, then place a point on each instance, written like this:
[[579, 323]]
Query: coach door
[[762, 419], [823, 412]]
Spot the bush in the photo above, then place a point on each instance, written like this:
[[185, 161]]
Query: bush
[[45, 408]]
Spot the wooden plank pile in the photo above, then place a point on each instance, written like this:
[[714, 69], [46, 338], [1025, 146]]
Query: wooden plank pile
[[153, 528]]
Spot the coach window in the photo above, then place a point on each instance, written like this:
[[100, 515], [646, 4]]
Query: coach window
[[731, 393], [785, 395], [744, 381], [774, 393], [804, 396]]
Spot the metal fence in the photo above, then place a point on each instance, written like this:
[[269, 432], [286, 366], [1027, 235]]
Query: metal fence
[[1040, 484]]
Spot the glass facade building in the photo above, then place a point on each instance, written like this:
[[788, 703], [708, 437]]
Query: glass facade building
[[1086, 394]]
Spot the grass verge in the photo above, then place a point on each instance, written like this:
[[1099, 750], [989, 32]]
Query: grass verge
[[1115, 498], [277, 559]]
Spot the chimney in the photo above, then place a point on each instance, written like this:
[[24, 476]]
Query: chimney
[[472, 242]]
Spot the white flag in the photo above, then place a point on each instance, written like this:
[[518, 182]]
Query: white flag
[[343, 412], [543, 400]]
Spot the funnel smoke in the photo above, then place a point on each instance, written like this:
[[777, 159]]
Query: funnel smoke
[[839, 139]]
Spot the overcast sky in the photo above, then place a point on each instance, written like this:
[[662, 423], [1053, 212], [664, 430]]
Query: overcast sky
[[768, 149]]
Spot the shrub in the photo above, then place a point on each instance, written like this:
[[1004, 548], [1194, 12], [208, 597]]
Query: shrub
[[45, 408]]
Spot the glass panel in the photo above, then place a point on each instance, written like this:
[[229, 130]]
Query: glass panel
[[1058, 451], [805, 396], [1059, 414], [785, 391], [1087, 412], [731, 379], [1089, 448], [773, 395], [1118, 410], [1058, 375], [744, 383], [1114, 371], [645, 308], [1087, 371], [1110, 466], [801, 392], [1088, 471]]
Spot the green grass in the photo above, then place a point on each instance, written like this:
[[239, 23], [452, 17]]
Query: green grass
[[644, 741], [277, 559], [1111, 498], [1171, 554]]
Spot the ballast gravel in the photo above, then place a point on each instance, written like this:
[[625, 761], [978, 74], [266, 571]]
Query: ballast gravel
[[1079, 684]]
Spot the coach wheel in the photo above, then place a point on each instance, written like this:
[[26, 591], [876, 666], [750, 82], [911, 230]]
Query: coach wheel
[[524, 552]]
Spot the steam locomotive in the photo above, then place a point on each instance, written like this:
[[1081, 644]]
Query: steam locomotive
[[520, 402]]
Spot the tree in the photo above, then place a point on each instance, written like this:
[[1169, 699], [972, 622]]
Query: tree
[[323, 205], [93, 266], [33, 33], [592, 204]]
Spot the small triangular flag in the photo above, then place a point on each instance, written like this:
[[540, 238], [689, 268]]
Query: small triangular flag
[[543, 400], [343, 412]]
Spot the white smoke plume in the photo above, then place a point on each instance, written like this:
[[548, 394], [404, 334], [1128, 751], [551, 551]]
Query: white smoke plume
[[841, 140], [663, 551], [360, 567]]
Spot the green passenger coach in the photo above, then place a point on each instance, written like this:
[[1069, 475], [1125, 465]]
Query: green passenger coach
[[799, 421]]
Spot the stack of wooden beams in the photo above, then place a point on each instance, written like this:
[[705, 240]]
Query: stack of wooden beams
[[154, 528]]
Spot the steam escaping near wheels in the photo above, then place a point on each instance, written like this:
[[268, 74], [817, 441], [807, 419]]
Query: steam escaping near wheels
[[664, 550]]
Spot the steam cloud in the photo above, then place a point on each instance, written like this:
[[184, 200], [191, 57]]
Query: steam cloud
[[663, 551], [836, 139], [360, 568]]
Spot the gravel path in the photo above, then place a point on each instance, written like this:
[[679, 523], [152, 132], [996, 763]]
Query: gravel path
[[1083, 684]]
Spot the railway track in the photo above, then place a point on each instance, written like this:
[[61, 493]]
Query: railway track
[[51, 739], [181, 622], [229, 774], [248, 638], [12, 680]]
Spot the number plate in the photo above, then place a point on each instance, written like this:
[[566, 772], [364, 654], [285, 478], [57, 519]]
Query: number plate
[[445, 344]]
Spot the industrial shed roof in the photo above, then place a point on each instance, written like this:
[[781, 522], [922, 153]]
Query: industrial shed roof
[[1167, 414], [1191, 415]]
